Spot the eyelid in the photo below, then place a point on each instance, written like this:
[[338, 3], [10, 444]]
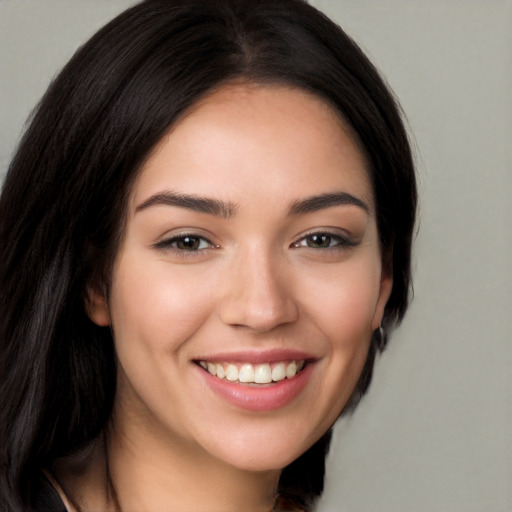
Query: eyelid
[[166, 242], [345, 240]]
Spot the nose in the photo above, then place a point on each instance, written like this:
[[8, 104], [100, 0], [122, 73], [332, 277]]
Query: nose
[[258, 293]]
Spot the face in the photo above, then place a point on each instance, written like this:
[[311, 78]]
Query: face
[[248, 281]]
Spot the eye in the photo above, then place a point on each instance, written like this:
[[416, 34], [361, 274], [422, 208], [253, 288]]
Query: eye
[[324, 240], [185, 243]]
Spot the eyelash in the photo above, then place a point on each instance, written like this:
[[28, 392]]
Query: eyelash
[[170, 244], [335, 242], [340, 242]]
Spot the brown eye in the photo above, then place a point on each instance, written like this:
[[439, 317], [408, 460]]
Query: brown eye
[[188, 243], [326, 240], [185, 243], [320, 241]]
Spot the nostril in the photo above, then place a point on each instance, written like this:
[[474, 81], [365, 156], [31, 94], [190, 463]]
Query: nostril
[[246, 312]]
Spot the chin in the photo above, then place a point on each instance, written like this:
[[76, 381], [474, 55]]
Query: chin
[[265, 449]]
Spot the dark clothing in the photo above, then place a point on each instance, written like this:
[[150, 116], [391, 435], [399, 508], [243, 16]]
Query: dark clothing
[[47, 498]]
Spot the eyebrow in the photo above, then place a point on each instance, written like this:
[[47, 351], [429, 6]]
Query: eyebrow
[[191, 202], [327, 200], [227, 209]]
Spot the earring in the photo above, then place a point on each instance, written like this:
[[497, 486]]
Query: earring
[[379, 338]]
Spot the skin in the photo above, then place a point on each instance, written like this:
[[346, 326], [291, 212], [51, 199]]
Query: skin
[[255, 280]]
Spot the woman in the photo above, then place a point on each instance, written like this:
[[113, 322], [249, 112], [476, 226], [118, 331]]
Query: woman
[[203, 234]]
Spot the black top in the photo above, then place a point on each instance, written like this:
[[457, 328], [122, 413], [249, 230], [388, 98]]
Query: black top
[[47, 498]]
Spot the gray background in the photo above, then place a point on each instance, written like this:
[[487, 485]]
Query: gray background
[[434, 433]]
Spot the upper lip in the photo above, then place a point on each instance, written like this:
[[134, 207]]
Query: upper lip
[[257, 356]]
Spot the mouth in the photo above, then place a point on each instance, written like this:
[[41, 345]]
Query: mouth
[[254, 374], [257, 381]]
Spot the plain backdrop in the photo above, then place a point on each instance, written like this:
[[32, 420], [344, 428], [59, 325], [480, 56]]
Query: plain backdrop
[[434, 432]]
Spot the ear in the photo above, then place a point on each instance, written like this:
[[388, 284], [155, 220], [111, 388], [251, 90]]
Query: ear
[[96, 305], [386, 285]]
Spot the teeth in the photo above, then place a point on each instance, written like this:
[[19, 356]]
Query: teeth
[[257, 374], [221, 373], [278, 373], [212, 369], [263, 374], [232, 373], [291, 369], [246, 373]]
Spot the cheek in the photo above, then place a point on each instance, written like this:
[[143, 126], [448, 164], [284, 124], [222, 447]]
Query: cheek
[[343, 312], [156, 306], [344, 308]]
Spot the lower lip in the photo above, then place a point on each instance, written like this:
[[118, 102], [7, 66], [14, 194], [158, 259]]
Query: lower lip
[[259, 398]]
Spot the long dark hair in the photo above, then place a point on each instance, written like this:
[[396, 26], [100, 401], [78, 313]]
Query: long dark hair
[[63, 202]]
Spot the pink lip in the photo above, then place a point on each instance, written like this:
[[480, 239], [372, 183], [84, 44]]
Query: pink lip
[[257, 357], [259, 398]]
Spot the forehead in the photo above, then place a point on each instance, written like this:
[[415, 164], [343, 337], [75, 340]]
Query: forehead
[[257, 135]]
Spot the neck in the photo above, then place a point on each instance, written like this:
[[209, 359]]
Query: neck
[[147, 476]]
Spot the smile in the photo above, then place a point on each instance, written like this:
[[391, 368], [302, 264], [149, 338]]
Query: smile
[[247, 373]]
